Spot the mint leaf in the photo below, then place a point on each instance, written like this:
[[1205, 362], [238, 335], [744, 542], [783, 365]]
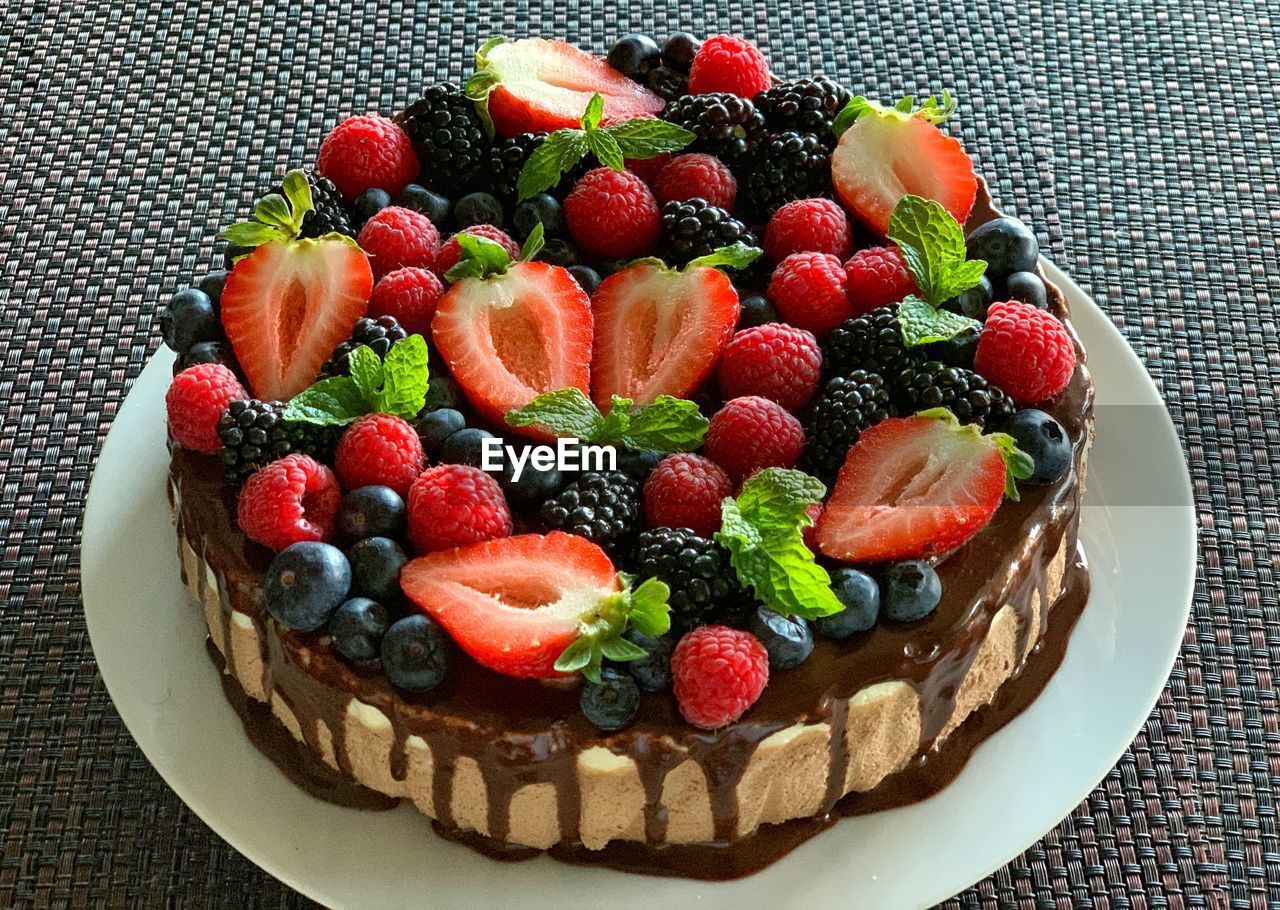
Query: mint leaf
[[924, 324], [615, 423], [395, 385], [335, 401], [932, 243], [736, 256], [405, 378], [605, 148], [780, 498], [668, 425], [639, 139], [591, 116], [564, 412], [550, 161], [366, 369], [481, 257], [533, 243]]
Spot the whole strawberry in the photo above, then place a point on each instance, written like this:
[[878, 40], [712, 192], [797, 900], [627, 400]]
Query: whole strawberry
[[409, 296], [290, 500], [717, 674], [727, 63], [684, 491], [379, 450], [1026, 351], [613, 214], [452, 505], [368, 152], [775, 361], [809, 291], [398, 238], [195, 401], [752, 433], [808, 226], [876, 277]]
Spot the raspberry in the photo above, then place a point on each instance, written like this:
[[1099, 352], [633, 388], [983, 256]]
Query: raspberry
[[718, 673], [409, 296], [195, 401], [450, 253], [1026, 351], [809, 291], [451, 505], [362, 153], [697, 175], [648, 169], [684, 491], [808, 226], [612, 214], [751, 433], [727, 63], [775, 361], [293, 499], [379, 450], [876, 277], [398, 238]]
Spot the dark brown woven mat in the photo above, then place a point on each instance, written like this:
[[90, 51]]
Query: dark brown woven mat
[[1136, 136]]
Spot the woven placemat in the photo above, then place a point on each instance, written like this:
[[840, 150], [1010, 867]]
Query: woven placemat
[[1137, 137]]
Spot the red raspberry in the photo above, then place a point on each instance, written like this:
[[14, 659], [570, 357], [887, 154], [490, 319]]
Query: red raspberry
[[751, 433], [366, 152], [452, 505], [775, 361], [450, 253], [697, 175], [718, 673], [809, 291], [808, 226], [1026, 351], [648, 169], [727, 63], [397, 238], [295, 498], [195, 400], [875, 277], [613, 214], [379, 449], [684, 491], [410, 296]]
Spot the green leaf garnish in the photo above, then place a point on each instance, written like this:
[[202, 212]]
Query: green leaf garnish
[[591, 116], [932, 243], [925, 324], [933, 109], [600, 630], [605, 148], [735, 256], [639, 139], [396, 384], [1018, 464], [480, 258], [763, 530], [275, 217], [667, 425], [533, 243], [335, 401]]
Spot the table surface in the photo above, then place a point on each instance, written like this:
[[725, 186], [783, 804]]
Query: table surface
[[1136, 137]]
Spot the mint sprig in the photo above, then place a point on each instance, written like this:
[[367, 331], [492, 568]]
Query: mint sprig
[[600, 630], [482, 257], [763, 530], [396, 384], [735, 256], [611, 145], [1018, 464], [667, 425]]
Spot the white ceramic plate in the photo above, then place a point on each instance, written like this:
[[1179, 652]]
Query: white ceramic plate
[[1139, 536]]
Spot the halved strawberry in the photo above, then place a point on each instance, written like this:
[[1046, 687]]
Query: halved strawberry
[[510, 336], [659, 331], [913, 487], [890, 152], [538, 86], [516, 603]]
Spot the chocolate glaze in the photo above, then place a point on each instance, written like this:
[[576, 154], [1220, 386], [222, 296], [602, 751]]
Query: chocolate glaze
[[522, 731]]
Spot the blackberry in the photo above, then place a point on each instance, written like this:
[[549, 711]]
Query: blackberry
[[601, 506], [872, 341], [704, 588], [329, 213], [806, 105], [971, 398], [849, 405], [724, 125], [694, 227], [789, 166], [255, 433], [448, 136], [378, 334], [504, 161]]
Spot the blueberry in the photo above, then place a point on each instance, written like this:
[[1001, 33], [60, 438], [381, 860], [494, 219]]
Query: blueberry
[[667, 83], [465, 447], [973, 302], [634, 55], [1006, 244], [1027, 287], [212, 284], [910, 590], [188, 318], [372, 511], [611, 703], [370, 203], [755, 310], [679, 50], [434, 427], [535, 486], [542, 208], [357, 629], [415, 653], [558, 252], [588, 278], [305, 583], [1044, 439], [424, 201], [860, 595], [442, 392], [209, 352], [652, 672], [637, 464], [477, 208], [787, 639], [375, 568]]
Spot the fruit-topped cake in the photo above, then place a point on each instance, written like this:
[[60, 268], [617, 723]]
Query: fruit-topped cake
[[646, 459]]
